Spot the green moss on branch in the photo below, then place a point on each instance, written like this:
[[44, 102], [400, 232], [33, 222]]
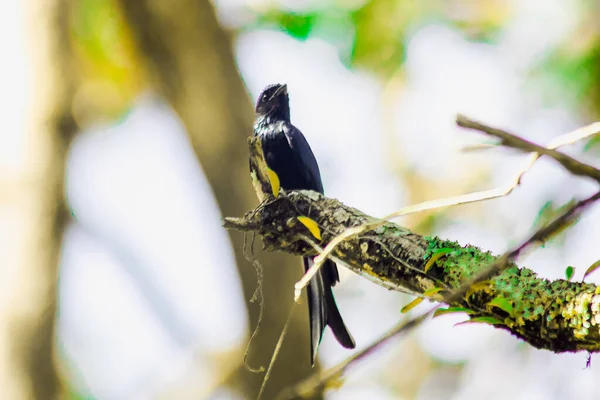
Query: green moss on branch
[[555, 315]]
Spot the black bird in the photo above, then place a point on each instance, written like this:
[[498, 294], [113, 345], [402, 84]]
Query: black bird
[[288, 154]]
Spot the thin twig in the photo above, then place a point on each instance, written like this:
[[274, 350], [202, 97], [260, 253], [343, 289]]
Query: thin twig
[[275, 352], [339, 261], [320, 259], [574, 136], [257, 295], [507, 139], [308, 387]]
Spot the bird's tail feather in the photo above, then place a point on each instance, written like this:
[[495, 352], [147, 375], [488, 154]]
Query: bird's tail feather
[[322, 309], [336, 323]]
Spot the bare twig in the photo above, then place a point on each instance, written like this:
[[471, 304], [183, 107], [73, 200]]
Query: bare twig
[[275, 353], [307, 388], [259, 296], [574, 136], [320, 259], [507, 139], [338, 261]]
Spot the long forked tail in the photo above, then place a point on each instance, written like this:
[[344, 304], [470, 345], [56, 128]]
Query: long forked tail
[[322, 310]]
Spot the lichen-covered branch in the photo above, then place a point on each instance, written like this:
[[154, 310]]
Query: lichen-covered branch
[[558, 316], [555, 315]]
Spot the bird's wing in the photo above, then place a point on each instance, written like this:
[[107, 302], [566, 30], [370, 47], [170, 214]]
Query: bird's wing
[[307, 163], [305, 159]]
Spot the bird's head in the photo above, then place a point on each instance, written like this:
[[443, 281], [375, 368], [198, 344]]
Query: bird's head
[[274, 102]]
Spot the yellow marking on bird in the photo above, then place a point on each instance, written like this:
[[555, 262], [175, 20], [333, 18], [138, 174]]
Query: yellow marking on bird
[[312, 226], [257, 186], [274, 180]]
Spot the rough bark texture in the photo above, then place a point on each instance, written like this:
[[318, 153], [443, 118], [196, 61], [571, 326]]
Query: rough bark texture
[[559, 316], [191, 58]]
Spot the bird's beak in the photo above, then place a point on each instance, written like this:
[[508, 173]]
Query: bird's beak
[[280, 90]]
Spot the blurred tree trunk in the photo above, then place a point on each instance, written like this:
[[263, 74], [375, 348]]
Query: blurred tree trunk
[[190, 56], [34, 213]]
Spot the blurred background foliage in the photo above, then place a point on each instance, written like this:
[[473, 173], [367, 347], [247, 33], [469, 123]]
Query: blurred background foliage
[[372, 39], [369, 35], [110, 73]]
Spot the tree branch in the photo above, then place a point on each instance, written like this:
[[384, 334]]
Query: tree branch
[[556, 315], [491, 289], [319, 381], [507, 139]]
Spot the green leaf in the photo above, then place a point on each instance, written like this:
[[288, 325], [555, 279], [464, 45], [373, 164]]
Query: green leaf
[[335, 381], [294, 24], [411, 305], [432, 291], [451, 310], [311, 225], [593, 145], [482, 320], [545, 214], [571, 74], [379, 41], [591, 269], [478, 287], [502, 304], [436, 256], [549, 211], [569, 272]]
